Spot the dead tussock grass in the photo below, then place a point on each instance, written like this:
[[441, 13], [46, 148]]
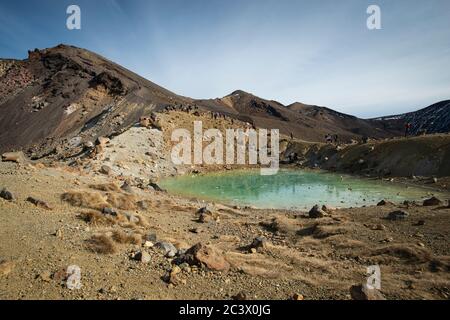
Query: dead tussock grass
[[257, 265], [69, 169], [143, 222], [107, 187], [342, 242], [283, 225], [123, 237], [304, 261], [310, 243], [312, 269], [134, 221], [102, 244], [326, 231], [408, 253], [95, 200], [99, 219], [85, 199], [145, 204], [121, 201], [180, 208]]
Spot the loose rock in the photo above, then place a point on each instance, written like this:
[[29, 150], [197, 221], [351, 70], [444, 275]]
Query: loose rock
[[206, 215], [241, 296], [13, 157], [328, 209], [433, 201], [142, 256], [39, 203], [109, 211], [259, 243], [297, 296], [384, 203], [5, 194], [203, 255], [148, 244], [316, 212], [397, 215], [167, 248], [106, 170]]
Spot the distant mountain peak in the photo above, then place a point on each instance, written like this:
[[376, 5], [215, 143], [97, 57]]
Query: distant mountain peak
[[240, 92]]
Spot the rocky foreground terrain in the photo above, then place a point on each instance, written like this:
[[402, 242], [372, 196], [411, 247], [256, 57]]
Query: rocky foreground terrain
[[102, 210]]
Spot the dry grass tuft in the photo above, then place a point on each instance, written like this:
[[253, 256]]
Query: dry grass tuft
[[408, 253], [282, 224], [257, 265], [92, 200], [107, 187], [143, 222], [322, 232], [102, 244], [123, 237], [121, 201], [97, 218]]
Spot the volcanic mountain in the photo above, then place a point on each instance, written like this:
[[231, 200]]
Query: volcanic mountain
[[306, 122], [63, 92], [433, 119], [63, 97]]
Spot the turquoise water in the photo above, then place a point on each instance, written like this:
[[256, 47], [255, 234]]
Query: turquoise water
[[290, 189]]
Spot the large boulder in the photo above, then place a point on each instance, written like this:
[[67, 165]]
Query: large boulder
[[207, 256], [317, 212]]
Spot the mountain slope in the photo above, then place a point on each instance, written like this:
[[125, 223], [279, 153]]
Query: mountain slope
[[306, 122], [432, 119], [63, 92], [60, 98]]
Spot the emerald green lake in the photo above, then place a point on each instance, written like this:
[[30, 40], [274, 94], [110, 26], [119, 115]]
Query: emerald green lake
[[290, 189]]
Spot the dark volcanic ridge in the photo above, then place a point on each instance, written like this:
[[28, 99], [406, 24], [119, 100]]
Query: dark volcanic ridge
[[63, 97], [433, 119]]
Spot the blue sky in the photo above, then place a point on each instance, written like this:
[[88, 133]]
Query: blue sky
[[317, 52]]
